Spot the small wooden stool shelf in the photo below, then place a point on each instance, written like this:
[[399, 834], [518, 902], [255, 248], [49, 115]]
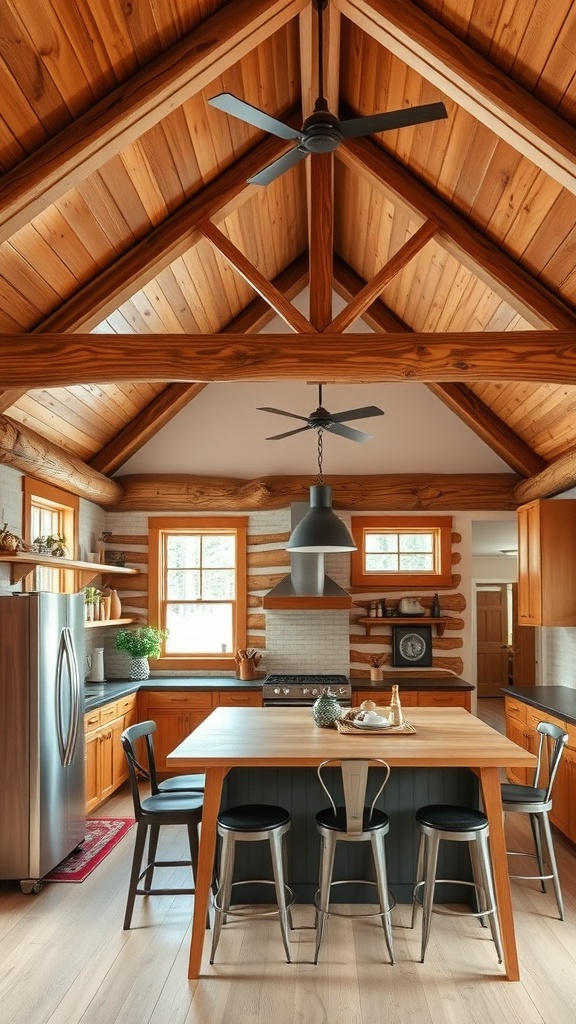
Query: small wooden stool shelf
[[404, 620]]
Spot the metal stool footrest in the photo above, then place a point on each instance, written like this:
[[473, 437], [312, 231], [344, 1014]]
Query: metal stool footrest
[[435, 909], [355, 881], [532, 856], [249, 914]]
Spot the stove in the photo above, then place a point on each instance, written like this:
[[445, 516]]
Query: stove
[[291, 690]]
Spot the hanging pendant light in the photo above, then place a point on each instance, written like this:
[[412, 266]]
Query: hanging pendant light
[[321, 530]]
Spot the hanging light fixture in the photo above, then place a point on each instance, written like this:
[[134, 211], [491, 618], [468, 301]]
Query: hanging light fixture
[[320, 530]]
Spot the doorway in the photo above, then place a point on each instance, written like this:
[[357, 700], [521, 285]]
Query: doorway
[[493, 638]]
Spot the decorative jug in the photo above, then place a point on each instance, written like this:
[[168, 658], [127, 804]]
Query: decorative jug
[[96, 665], [326, 709]]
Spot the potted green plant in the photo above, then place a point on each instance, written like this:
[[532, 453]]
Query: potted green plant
[[141, 643], [55, 544]]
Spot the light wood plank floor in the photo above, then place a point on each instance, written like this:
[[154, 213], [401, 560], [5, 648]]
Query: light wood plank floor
[[64, 958]]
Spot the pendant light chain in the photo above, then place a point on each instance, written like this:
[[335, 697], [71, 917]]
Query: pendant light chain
[[320, 478]]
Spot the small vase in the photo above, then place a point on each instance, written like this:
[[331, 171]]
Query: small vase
[[115, 605], [139, 669], [326, 710], [376, 675]]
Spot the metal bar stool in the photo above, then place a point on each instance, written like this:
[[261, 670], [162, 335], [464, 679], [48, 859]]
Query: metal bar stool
[[536, 801], [252, 823], [461, 825], [353, 823]]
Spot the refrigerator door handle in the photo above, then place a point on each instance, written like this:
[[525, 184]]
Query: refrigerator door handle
[[67, 731]]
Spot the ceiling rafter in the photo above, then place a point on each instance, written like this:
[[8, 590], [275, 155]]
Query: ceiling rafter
[[459, 398], [60, 360], [136, 106], [460, 238], [176, 396], [472, 82]]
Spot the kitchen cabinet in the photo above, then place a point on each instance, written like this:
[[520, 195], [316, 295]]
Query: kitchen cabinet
[[546, 559], [416, 698], [516, 731], [105, 763], [178, 712]]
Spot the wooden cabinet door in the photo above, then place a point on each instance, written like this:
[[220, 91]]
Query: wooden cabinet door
[[444, 699], [408, 698], [516, 731], [119, 763], [172, 726], [529, 568], [106, 762], [239, 699], [92, 771]]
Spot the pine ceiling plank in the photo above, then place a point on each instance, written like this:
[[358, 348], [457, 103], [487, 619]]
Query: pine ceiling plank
[[255, 279], [144, 426], [366, 296], [59, 360], [460, 238], [136, 106], [118, 282], [472, 82]]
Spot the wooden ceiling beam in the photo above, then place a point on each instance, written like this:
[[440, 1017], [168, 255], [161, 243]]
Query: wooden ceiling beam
[[472, 82], [176, 396], [289, 313], [474, 250], [321, 234], [413, 491], [136, 106], [558, 477], [460, 399], [24, 449], [34, 361], [371, 291]]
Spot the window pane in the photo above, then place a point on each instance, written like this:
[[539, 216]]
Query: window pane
[[199, 628], [218, 584], [416, 542], [416, 563], [183, 551], [381, 542], [381, 563], [183, 584], [218, 551]]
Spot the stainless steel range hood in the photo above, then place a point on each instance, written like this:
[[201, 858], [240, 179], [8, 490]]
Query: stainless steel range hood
[[307, 586]]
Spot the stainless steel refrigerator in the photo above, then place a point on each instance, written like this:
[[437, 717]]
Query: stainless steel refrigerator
[[41, 733]]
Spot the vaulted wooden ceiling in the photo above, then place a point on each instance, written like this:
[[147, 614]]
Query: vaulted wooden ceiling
[[137, 265]]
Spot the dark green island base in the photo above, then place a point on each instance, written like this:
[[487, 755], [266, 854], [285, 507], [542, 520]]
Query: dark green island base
[[299, 791]]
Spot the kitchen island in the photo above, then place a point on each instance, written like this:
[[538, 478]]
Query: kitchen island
[[265, 738]]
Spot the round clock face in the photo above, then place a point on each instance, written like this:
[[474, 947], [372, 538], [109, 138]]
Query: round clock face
[[412, 647]]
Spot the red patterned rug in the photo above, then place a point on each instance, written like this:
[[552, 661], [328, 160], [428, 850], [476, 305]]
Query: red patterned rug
[[102, 835]]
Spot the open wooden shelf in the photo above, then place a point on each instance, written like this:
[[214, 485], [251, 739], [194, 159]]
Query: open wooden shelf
[[91, 624], [404, 620], [23, 563]]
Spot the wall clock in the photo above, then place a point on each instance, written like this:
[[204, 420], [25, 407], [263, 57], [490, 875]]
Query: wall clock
[[412, 646]]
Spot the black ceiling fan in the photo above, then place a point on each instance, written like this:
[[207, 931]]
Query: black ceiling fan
[[322, 131], [321, 419]]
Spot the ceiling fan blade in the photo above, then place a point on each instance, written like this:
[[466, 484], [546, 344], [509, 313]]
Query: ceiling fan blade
[[281, 412], [252, 115], [273, 171], [278, 437], [349, 432], [356, 414], [374, 123]]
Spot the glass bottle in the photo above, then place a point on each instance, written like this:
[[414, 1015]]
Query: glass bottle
[[396, 716]]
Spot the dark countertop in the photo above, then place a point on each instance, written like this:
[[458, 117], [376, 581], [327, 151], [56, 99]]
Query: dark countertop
[[556, 700], [98, 694], [406, 682]]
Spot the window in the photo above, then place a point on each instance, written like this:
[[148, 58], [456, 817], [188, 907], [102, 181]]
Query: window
[[49, 511], [409, 551], [197, 589]]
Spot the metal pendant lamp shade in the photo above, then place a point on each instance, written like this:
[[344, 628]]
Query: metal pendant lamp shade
[[320, 530]]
